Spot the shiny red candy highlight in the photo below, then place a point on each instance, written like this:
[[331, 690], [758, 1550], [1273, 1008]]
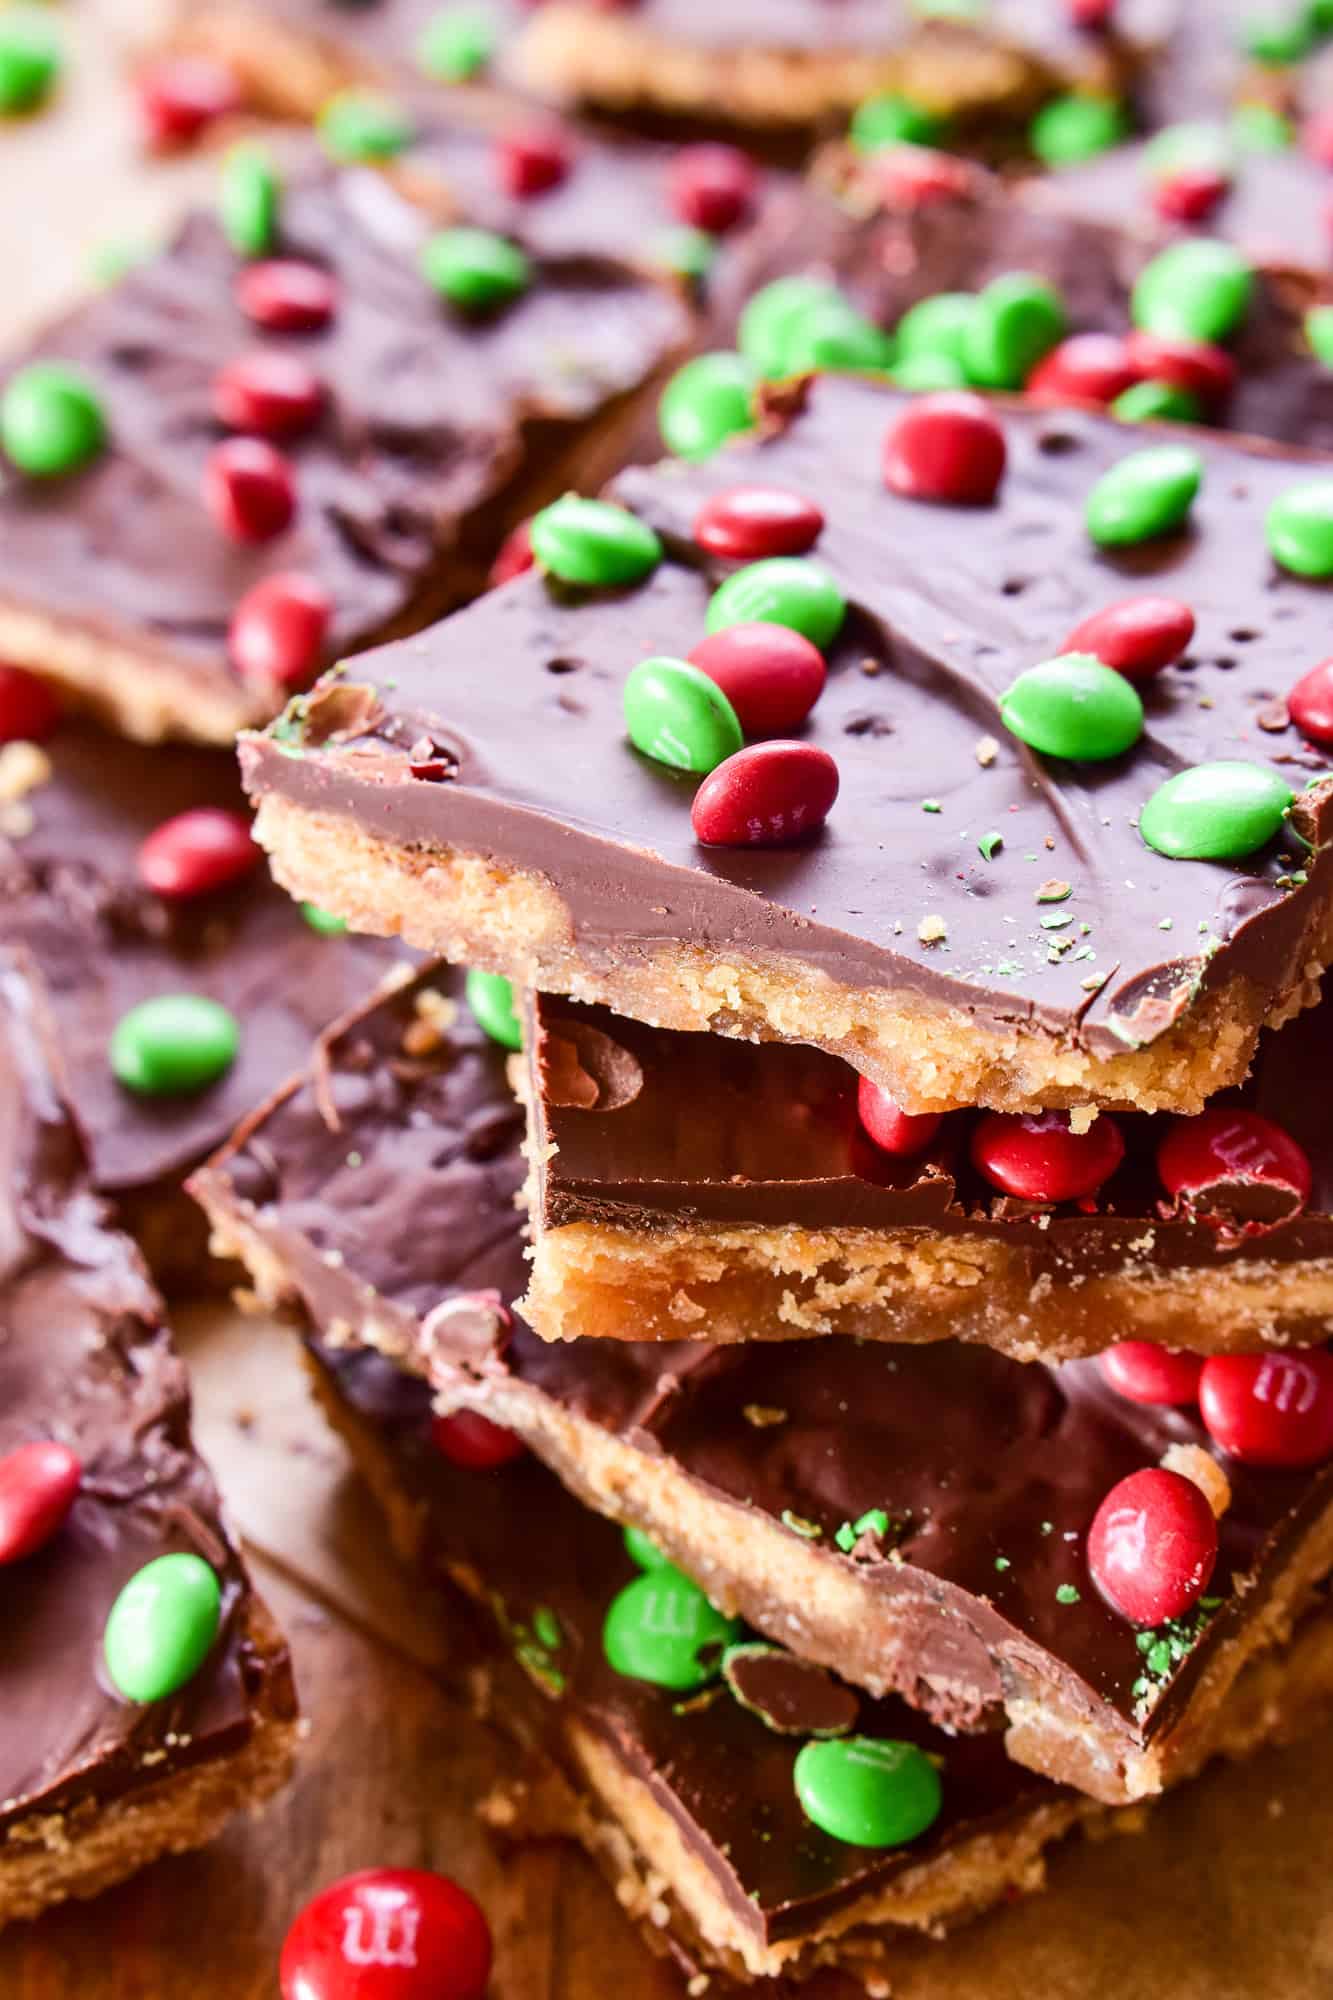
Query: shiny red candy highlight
[[197, 851], [1272, 1409], [1215, 1157], [947, 447], [711, 187], [249, 489], [1145, 1373], [771, 675], [278, 630], [768, 795], [270, 394], [38, 1485], [287, 296], [388, 1934], [532, 162], [1138, 636], [29, 709], [747, 523], [901, 1133], [1310, 703], [1152, 1546], [1086, 368], [1038, 1157]]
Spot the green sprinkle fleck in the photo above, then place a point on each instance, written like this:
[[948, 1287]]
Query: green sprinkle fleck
[[323, 921], [809, 1531], [989, 845], [873, 1522], [931, 806], [1003, 1563], [547, 1627], [1159, 1657], [1055, 920], [1067, 1594]]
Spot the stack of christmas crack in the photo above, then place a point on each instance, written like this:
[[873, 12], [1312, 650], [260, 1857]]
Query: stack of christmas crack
[[897, 887]]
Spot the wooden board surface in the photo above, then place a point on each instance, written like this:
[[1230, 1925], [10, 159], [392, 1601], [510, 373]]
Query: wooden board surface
[[1225, 1898]]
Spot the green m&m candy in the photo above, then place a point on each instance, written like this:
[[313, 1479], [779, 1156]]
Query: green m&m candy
[[1299, 528], [1277, 35], [456, 44], [1015, 321], [689, 253], [1077, 127], [781, 590], [662, 1628], [936, 326], [920, 373], [50, 419], [1262, 128], [1149, 493], [677, 715], [175, 1043], [593, 542], [833, 334], [362, 125], [867, 1790], [29, 58], [1197, 290], [162, 1627], [1194, 145], [475, 269], [248, 197], [1156, 402], [891, 119], [1215, 812], [1319, 333], [491, 998], [707, 401], [323, 921], [1074, 707], [770, 319], [642, 1551]]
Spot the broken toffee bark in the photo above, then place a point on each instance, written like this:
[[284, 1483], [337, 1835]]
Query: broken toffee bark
[[913, 1516], [686, 1184], [94, 1785], [689, 1806], [421, 432], [506, 820]]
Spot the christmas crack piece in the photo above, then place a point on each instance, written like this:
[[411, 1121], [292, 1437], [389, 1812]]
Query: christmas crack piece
[[812, 741], [304, 426], [721, 1804], [148, 1695], [184, 984], [944, 1550], [687, 1184]]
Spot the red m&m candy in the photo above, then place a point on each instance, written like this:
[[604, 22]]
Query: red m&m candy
[[278, 629], [1190, 194], [532, 161], [1138, 636], [765, 796], [471, 1440], [513, 556], [1310, 703], [287, 296], [269, 393], [29, 709], [249, 489], [771, 675], [1038, 1158], [38, 1485], [946, 447], [182, 95], [1270, 1409], [711, 187], [1195, 366], [913, 177], [1146, 1373], [1091, 13], [388, 1934], [1236, 1163], [901, 1133], [747, 522], [197, 851], [1152, 1546], [1086, 368]]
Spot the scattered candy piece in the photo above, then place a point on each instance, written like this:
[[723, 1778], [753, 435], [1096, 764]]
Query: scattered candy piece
[[1299, 528], [642, 1552], [174, 1043], [268, 393], [1152, 1546], [707, 401], [868, 1791], [474, 269], [678, 715], [1075, 707], [833, 334], [1191, 194], [29, 709], [248, 199], [661, 1628], [1270, 1409], [180, 96], [1236, 1163], [29, 58], [949, 448], [765, 796], [456, 44], [1277, 36], [1157, 402], [196, 852], [1216, 812], [748, 522], [1194, 366], [913, 177], [1319, 333], [771, 317], [1038, 1157], [712, 187], [1149, 493], [1147, 1373], [388, 1934], [936, 326], [1139, 636], [1015, 321], [363, 125], [491, 998], [285, 295], [323, 921], [1262, 128], [1197, 290], [278, 629], [593, 543], [39, 1483], [782, 590], [1074, 128], [468, 1439], [1310, 703], [890, 119], [249, 489], [1086, 368], [162, 1626], [533, 160], [51, 420], [514, 556], [688, 253], [771, 675], [899, 1133]]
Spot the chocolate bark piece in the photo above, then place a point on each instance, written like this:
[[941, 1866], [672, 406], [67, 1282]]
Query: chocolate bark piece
[[440, 431], [912, 1517], [93, 1787], [685, 1183], [552, 851], [76, 811], [689, 1807]]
